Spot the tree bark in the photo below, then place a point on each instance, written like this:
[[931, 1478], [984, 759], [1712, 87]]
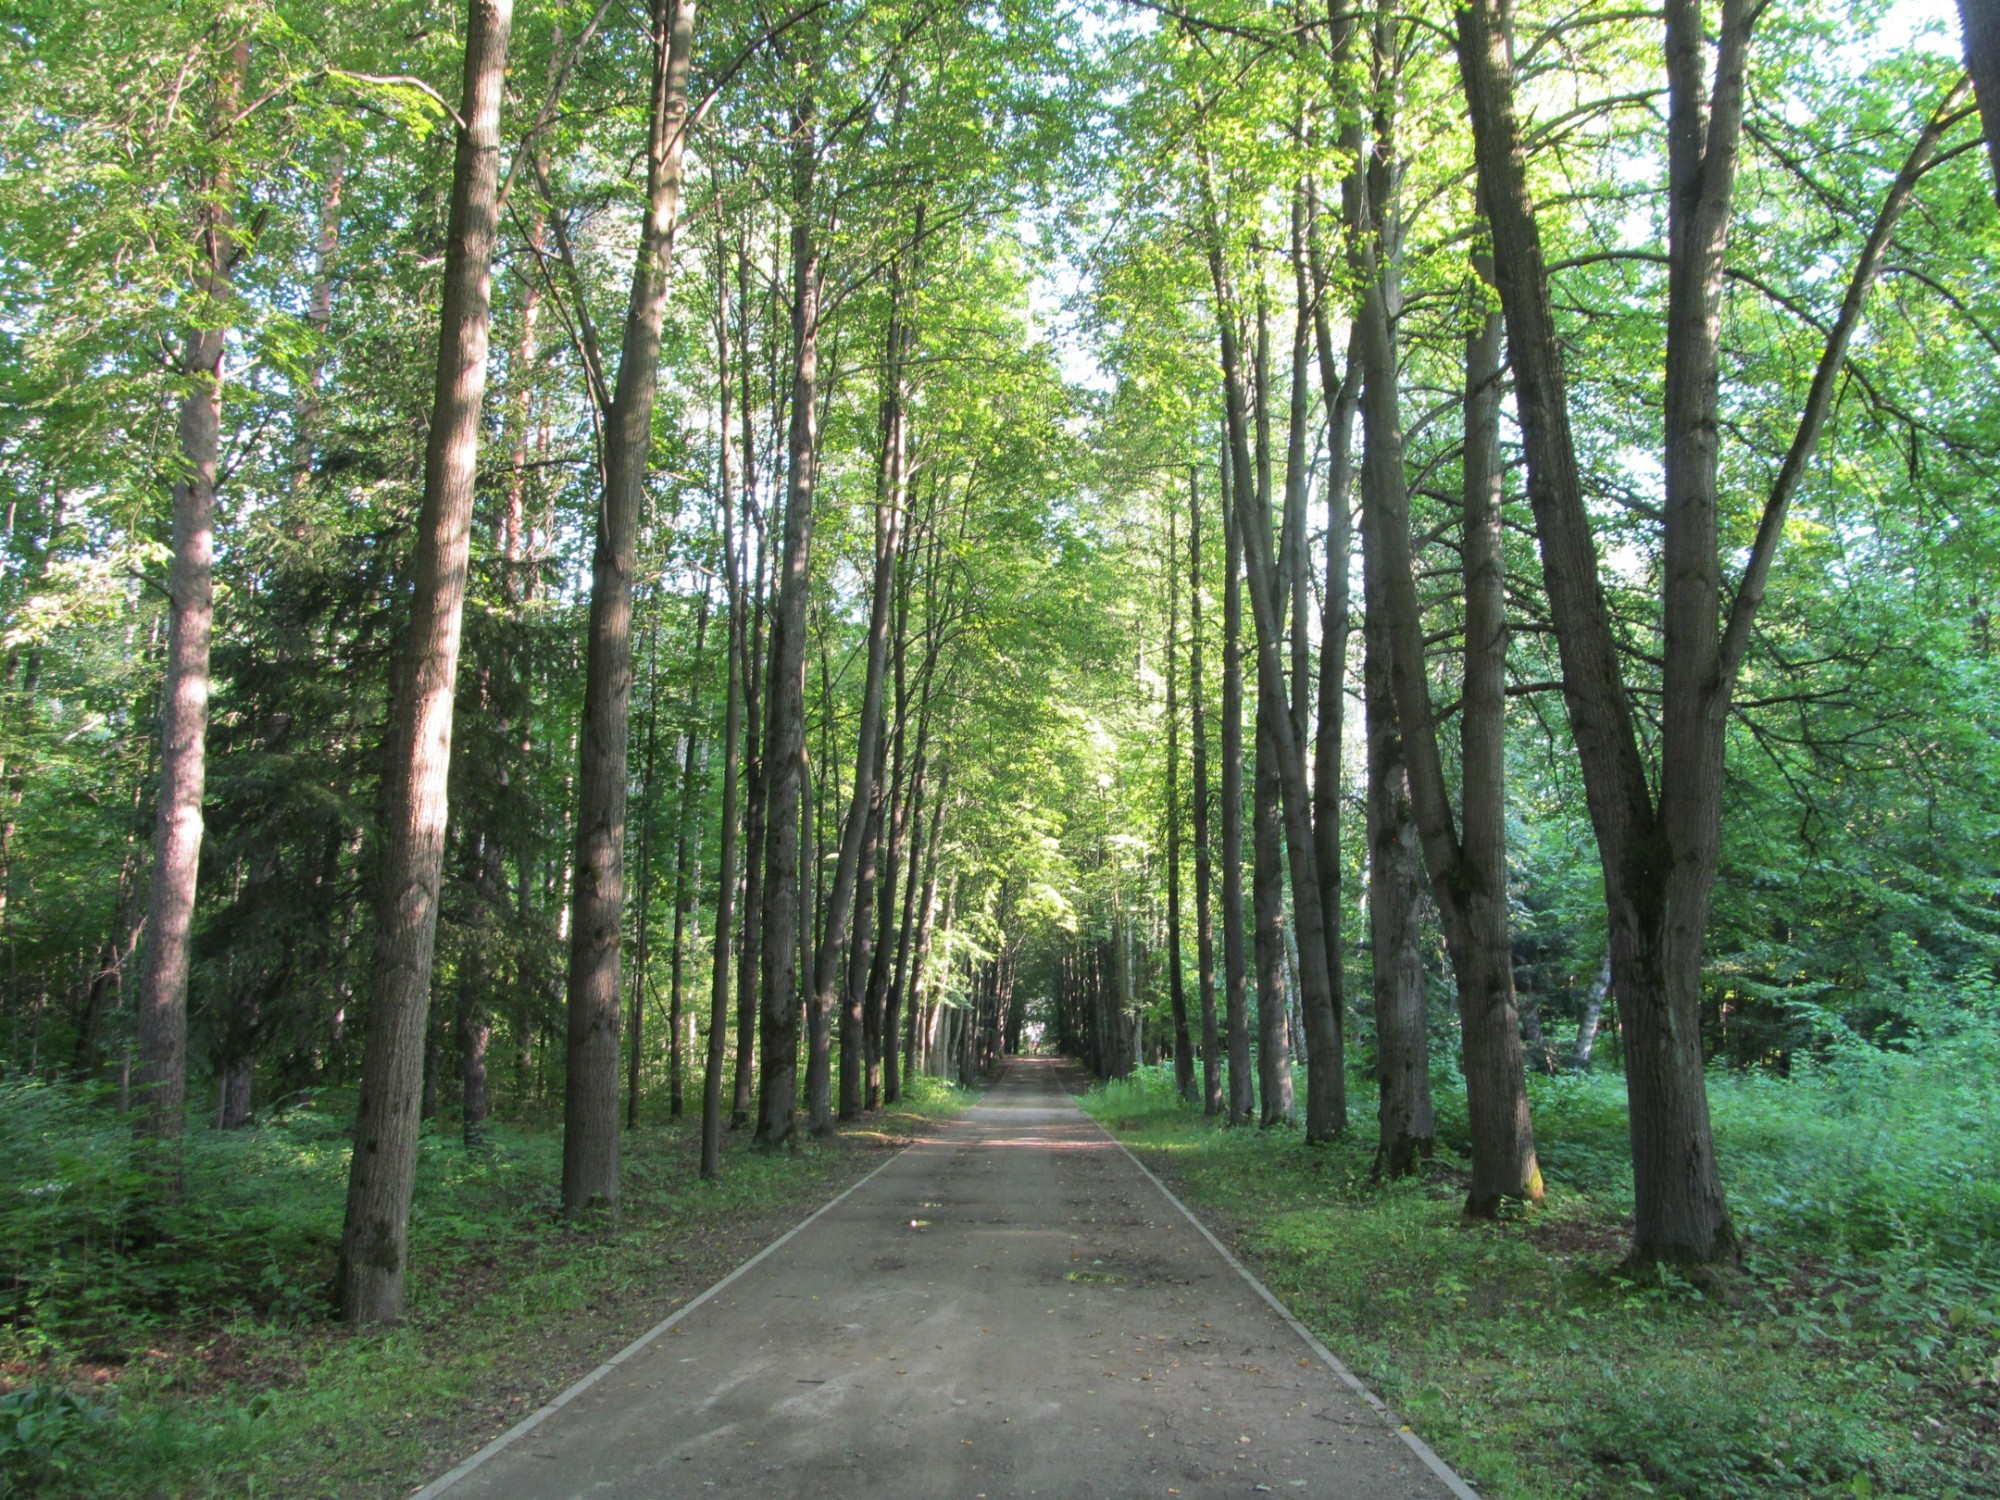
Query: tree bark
[[161, 1094], [1408, 1125], [374, 1239], [1979, 28], [1593, 1014], [1235, 979], [732, 746], [693, 768], [597, 888], [750, 666], [1176, 979], [1320, 988], [860, 836], [784, 758], [1340, 396], [642, 948], [1211, 1060]]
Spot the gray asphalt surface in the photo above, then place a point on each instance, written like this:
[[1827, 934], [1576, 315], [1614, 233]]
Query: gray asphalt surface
[[1008, 1309]]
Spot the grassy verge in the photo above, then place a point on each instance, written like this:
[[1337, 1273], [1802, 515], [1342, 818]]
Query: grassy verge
[[1856, 1354], [186, 1352]]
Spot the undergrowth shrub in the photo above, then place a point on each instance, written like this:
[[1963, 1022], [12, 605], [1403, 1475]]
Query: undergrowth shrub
[[1685, 1432], [46, 1432]]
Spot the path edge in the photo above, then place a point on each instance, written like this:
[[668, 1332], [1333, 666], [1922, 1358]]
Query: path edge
[[534, 1419], [1425, 1453]]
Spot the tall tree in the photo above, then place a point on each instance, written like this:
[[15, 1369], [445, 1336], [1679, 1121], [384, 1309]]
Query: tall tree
[[163, 976], [597, 891], [860, 834], [1211, 1061], [1176, 982], [368, 1282], [785, 743], [1235, 980]]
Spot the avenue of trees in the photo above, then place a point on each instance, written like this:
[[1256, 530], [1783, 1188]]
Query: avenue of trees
[[565, 560]]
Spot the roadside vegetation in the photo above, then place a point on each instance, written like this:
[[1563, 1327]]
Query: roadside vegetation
[[188, 1349], [1856, 1352]]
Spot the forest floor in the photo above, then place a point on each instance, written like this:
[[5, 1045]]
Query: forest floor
[[1855, 1354], [187, 1353], [1008, 1309]]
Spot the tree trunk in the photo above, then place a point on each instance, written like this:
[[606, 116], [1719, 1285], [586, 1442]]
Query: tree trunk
[[784, 758], [642, 947], [1340, 396], [1236, 1014], [1593, 1013], [1274, 1053], [1979, 28], [1408, 1126], [1176, 980], [475, 983], [374, 1239], [597, 889], [1267, 862], [860, 837], [732, 746], [909, 977], [750, 667], [693, 765], [1320, 997], [1211, 1061], [884, 999], [163, 977]]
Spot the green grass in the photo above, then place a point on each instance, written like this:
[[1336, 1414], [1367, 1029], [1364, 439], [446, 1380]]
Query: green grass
[[186, 1350], [1857, 1352]]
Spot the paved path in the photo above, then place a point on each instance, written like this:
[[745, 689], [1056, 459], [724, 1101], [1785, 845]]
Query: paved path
[[1008, 1309]]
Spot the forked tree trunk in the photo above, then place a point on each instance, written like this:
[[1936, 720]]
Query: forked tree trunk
[[163, 976], [368, 1280], [597, 888], [1658, 858], [1265, 580], [1466, 860]]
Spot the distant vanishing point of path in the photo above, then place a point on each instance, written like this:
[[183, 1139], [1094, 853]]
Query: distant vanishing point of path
[[1010, 1308]]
